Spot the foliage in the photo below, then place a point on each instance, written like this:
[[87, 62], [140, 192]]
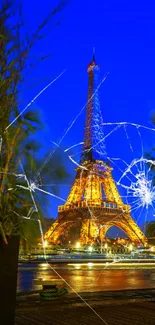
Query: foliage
[[16, 147], [150, 229], [15, 144]]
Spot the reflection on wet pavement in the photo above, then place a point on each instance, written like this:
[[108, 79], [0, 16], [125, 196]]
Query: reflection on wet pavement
[[86, 278]]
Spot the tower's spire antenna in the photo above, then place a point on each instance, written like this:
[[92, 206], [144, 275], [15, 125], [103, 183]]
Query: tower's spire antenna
[[93, 53]]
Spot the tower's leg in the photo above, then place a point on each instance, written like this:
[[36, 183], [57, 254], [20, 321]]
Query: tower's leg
[[114, 190], [84, 234], [58, 229], [49, 233], [93, 231], [103, 231], [77, 189], [110, 189], [133, 227], [89, 231]]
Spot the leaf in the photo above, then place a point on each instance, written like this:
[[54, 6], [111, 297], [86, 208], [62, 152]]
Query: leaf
[[32, 116], [32, 146], [3, 234]]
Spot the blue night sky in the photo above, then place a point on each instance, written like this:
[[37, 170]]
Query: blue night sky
[[123, 34]]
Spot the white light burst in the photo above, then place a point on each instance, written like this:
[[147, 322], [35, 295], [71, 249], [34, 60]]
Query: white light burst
[[143, 189], [138, 181]]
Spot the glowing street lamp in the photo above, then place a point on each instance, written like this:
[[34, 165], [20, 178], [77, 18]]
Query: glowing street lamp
[[90, 248], [78, 245], [152, 249], [45, 243], [130, 247], [106, 246]]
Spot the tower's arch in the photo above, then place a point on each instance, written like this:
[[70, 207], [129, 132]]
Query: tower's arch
[[59, 229], [115, 232], [131, 233]]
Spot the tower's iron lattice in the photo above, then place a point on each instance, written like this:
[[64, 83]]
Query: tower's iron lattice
[[94, 203]]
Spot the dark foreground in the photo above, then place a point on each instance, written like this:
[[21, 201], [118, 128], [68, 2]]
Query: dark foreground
[[129, 308], [128, 314]]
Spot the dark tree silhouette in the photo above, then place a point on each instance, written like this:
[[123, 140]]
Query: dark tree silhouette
[[14, 201]]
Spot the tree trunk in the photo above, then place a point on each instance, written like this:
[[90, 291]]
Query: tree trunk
[[8, 279]]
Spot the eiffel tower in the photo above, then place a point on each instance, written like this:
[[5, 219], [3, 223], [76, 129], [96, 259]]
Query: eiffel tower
[[94, 203]]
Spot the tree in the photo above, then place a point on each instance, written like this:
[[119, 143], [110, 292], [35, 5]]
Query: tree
[[15, 202], [30, 230], [150, 229]]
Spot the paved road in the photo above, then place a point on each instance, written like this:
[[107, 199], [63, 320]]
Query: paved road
[[113, 314]]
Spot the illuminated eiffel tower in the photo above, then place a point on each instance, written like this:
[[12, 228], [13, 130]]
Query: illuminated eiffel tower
[[94, 204]]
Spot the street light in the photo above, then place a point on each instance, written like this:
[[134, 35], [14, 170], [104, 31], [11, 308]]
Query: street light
[[152, 249], [130, 247], [106, 246], [78, 245], [90, 248], [45, 243]]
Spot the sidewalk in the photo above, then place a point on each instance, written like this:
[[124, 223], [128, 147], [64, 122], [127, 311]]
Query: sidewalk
[[112, 307], [125, 314]]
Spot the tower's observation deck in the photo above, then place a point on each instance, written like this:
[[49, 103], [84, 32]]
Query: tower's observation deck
[[95, 188]]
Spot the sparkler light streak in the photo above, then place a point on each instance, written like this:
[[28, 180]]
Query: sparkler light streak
[[14, 174], [32, 186], [138, 126], [29, 215], [75, 145], [134, 163], [140, 191], [1, 141], [92, 147], [143, 189], [76, 163], [34, 99]]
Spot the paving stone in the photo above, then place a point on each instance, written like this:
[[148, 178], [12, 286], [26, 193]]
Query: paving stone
[[125, 314]]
